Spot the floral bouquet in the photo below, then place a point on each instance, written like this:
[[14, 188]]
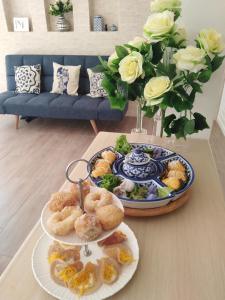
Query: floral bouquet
[[160, 70], [60, 7]]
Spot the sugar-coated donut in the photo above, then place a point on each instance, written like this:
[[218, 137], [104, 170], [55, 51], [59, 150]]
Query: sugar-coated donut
[[88, 227], [74, 188], [61, 199], [62, 223], [98, 198], [110, 216]]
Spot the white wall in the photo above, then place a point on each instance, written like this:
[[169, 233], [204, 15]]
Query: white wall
[[131, 17], [221, 115]]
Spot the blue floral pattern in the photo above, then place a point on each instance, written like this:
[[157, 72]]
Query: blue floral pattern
[[28, 79]]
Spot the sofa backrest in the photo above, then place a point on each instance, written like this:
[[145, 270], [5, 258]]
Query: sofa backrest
[[46, 62]]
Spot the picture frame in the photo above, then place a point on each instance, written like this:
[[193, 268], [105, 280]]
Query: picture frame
[[21, 24]]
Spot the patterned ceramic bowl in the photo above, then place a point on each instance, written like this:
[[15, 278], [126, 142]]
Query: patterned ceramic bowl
[[145, 170]]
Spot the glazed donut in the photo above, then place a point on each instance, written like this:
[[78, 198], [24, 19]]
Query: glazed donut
[[62, 223], [98, 198], [61, 199], [109, 216], [88, 227]]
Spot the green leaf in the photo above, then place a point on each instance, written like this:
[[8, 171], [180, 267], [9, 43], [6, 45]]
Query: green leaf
[[122, 88], [164, 192], [197, 87], [217, 62], [109, 85], [189, 127], [200, 122], [121, 52], [148, 69], [167, 123], [157, 53], [178, 126], [117, 102], [103, 62], [98, 69], [150, 111], [204, 76], [131, 47]]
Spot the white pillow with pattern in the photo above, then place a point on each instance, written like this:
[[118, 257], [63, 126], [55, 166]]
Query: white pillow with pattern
[[96, 89], [65, 79], [28, 79]]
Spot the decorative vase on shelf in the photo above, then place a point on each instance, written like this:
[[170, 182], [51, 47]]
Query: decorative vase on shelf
[[98, 23], [139, 121], [62, 24]]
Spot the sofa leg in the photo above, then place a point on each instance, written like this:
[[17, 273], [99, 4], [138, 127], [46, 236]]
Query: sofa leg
[[94, 126], [17, 122]]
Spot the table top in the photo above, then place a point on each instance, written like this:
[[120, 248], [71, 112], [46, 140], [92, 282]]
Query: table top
[[182, 255]]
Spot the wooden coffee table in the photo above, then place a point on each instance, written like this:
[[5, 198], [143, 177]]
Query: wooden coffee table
[[182, 255]]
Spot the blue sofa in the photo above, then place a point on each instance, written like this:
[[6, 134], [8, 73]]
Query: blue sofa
[[48, 105]]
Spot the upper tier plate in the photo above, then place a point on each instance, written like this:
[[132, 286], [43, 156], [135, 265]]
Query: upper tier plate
[[147, 174]]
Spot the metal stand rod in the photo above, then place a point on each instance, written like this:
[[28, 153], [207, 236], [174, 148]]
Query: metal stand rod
[[87, 251]]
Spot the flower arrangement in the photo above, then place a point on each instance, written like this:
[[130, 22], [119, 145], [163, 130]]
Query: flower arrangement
[[160, 70], [60, 7]]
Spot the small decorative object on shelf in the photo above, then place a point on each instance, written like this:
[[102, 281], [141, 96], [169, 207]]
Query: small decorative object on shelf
[[162, 72], [114, 28], [59, 8], [106, 27], [98, 23], [21, 24]]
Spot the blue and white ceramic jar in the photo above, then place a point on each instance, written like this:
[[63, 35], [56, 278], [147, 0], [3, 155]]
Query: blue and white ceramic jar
[[98, 23]]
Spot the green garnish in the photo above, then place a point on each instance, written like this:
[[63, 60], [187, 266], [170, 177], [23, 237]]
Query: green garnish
[[148, 151], [138, 193], [110, 181], [164, 192], [122, 145]]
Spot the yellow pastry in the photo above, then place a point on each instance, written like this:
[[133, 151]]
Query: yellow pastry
[[121, 253], [60, 200], [86, 281], [177, 174], [109, 270], [172, 182], [109, 156], [176, 165]]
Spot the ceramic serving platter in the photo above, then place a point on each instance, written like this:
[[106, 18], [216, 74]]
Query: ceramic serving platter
[[149, 176], [72, 238], [41, 270]]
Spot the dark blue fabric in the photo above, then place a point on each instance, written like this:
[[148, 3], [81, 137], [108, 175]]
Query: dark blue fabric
[[3, 97], [53, 105]]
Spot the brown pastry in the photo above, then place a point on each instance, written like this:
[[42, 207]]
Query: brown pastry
[[177, 174], [116, 238], [88, 227], [60, 200], [110, 216], [109, 156], [85, 188]]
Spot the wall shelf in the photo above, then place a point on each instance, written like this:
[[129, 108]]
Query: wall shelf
[[51, 20], [109, 12]]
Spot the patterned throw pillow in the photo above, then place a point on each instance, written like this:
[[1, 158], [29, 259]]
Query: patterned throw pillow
[[28, 79], [96, 89], [66, 79]]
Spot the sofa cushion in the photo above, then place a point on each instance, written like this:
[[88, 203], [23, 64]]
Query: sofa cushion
[[50, 105], [3, 97]]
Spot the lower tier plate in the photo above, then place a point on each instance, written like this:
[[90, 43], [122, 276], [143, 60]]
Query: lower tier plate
[[41, 268]]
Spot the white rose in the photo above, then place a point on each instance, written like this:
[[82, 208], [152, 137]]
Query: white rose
[[155, 88], [211, 41], [180, 35], [190, 59], [159, 25], [130, 67], [112, 58], [137, 42], [56, 6], [162, 5]]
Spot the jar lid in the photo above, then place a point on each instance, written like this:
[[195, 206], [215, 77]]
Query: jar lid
[[137, 157]]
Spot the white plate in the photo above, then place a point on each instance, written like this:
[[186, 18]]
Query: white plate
[[72, 238], [41, 270]]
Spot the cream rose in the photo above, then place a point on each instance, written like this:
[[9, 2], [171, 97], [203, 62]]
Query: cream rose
[[155, 88], [137, 42], [211, 41], [130, 67], [112, 58], [190, 59], [180, 35], [162, 5], [158, 25]]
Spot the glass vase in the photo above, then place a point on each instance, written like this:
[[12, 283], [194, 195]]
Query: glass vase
[[139, 119]]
